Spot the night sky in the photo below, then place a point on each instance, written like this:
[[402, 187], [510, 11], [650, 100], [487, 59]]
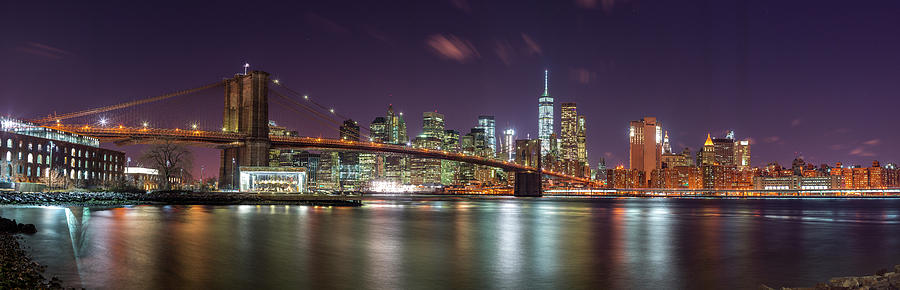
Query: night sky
[[813, 78]]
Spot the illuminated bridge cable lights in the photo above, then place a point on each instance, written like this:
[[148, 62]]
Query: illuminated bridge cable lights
[[124, 105]]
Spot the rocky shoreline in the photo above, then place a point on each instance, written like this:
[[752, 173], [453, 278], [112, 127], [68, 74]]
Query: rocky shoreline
[[156, 198], [883, 279], [17, 270]]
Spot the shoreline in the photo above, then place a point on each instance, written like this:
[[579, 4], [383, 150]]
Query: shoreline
[[354, 200]]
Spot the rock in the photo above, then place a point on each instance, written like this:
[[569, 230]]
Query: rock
[[844, 282]]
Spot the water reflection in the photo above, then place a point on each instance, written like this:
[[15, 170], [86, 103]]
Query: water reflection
[[468, 243]]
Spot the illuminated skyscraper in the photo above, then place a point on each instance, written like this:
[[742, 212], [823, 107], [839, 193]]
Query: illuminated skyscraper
[[645, 139], [708, 154], [568, 130], [508, 146], [433, 125], [490, 137], [395, 128], [666, 147], [545, 116], [581, 141], [742, 154]]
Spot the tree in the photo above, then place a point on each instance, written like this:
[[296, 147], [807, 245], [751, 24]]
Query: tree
[[172, 160]]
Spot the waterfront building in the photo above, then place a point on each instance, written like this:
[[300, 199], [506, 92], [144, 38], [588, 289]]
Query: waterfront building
[[142, 177], [545, 116], [272, 179], [34, 156], [645, 145], [677, 177], [795, 182], [508, 146], [626, 178], [488, 124]]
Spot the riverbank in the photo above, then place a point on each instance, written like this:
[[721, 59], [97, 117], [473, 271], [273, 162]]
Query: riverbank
[[883, 279], [17, 270], [157, 198]]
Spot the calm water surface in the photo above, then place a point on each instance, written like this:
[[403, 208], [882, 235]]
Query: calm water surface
[[435, 243]]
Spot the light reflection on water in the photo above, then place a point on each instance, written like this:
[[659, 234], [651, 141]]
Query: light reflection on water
[[468, 243]]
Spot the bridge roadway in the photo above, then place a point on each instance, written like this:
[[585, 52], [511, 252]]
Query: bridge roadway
[[131, 135]]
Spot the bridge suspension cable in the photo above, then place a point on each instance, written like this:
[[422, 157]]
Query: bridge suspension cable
[[317, 104], [87, 112], [334, 124]]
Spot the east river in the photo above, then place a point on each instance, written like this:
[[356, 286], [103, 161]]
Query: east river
[[473, 243]]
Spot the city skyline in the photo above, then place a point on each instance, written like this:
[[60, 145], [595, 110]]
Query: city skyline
[[611, 85]]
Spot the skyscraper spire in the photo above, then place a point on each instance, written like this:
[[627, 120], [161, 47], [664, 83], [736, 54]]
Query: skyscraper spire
[[546, 83]]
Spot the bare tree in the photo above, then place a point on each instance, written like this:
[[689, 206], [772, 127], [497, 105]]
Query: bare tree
[[172, 160]]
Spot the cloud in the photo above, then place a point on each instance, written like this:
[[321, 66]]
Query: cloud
[[860, 151], [462, 5], [504, 51], [43, 50], [608, 154], [873, 142], [377, 34], [531, 46], [451, 47], [607, 5], [838, 147], [795, 122], [772, 139], [583, 76], [325, 24]]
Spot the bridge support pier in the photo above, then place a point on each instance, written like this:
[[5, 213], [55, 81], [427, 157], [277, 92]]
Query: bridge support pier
[[528, 184], [246, 111]]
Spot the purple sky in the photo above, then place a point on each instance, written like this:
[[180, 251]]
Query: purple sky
[[817, 78]]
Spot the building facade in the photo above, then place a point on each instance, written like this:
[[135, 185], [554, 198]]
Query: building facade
[[645, 145]]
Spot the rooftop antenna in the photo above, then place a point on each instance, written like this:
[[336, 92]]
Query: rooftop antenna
[[546, 87], [246, 66]]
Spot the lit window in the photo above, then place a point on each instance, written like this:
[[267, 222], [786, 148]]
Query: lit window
[[39, 159], [30, 158], [8, 156]]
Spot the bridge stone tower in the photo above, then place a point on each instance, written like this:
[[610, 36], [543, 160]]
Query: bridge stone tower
[[246, 112]]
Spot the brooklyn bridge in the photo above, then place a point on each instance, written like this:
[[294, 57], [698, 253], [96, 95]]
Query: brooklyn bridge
[[245, 140]]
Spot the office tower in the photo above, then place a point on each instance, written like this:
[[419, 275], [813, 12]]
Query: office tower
[[328, 173], [545, 116], [528, 152], [450, 169], [708, 154], [349, 130], [666, 147], [487, 123], [395, 128], [742, 154], [508, 146], [645, 139], [568, 130], [581, 141], [724, 150], [349, 161], [425, 170], [601, 170], [378, 130], [433, 125]]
